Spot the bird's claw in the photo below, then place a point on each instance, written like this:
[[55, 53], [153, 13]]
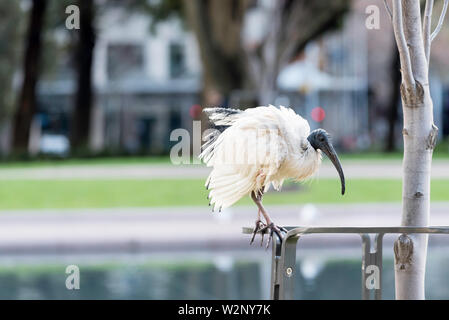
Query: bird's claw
[[272, 229], [259, 226]]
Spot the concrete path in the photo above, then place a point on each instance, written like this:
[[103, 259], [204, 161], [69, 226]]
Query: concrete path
[[353, 169], [192, 228]]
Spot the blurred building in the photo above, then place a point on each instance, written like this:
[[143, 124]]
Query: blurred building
[[147, 83]]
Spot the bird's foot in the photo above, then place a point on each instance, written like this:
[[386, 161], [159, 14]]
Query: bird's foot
[[259, 226], [272, 229]]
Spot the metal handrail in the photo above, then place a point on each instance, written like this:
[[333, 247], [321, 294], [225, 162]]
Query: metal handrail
[[283, 260]]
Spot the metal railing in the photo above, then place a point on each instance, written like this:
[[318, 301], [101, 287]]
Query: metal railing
[[283, 260]]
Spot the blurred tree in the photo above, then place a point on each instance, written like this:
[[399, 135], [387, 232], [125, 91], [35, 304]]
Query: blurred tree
[[84, 60], [58, 62], [10, 31], [27, 99], [231, 64], [228, 63], [217, 25], [393, 112], [293, 23], [85, 43]]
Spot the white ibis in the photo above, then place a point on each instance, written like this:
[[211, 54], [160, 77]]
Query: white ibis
[[259, 147]]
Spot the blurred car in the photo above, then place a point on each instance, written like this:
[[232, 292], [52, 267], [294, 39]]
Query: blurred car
[[56, 144]]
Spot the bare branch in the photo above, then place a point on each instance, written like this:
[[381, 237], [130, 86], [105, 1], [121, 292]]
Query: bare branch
[[440, 21], [398, 28], [388, 10], [294, 36], [426, 28]]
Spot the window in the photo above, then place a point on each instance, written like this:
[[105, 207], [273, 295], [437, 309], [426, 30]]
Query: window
[[177, 60], [125, 61]]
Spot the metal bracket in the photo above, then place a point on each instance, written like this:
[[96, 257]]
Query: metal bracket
[[283, 268], [283, 261]]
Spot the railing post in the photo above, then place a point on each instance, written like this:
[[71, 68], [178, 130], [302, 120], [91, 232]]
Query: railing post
[[275, 258], [372, 266], [283, 268]]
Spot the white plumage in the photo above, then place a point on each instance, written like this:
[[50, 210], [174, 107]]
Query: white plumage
[[259, 147]]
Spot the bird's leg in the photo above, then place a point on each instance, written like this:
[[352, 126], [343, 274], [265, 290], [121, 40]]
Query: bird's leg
[[270, 226], [259, 225]]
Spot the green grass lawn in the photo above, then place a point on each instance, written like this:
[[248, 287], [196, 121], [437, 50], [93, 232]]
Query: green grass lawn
[[39, 194], [83, 162], [441, 152]]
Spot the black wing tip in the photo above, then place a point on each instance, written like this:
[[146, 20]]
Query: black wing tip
[[226, 111]]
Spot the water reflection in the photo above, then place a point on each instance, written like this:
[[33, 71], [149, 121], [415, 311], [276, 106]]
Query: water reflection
[[231, 275]]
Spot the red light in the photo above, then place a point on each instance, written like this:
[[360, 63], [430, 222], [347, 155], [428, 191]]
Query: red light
[[318, 114], [195, 111]]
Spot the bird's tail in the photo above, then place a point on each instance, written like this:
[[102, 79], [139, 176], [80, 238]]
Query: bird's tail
[[222, 117]]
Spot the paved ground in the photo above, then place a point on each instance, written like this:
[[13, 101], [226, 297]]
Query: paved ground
[[353, 169], [155, 230]]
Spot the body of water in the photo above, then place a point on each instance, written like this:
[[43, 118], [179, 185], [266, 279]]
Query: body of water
[[241, 274]]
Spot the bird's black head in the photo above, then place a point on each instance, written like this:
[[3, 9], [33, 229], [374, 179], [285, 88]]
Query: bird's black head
[[319, 140]]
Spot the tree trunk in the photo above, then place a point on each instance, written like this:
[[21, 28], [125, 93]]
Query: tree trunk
[[27, 99], [217, 25], [419, 141], [84, 95], [270, 60]]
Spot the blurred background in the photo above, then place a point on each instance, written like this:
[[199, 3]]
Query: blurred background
[[87, 108]]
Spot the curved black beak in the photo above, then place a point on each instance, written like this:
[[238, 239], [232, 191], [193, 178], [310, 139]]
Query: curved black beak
[[329, 150]]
